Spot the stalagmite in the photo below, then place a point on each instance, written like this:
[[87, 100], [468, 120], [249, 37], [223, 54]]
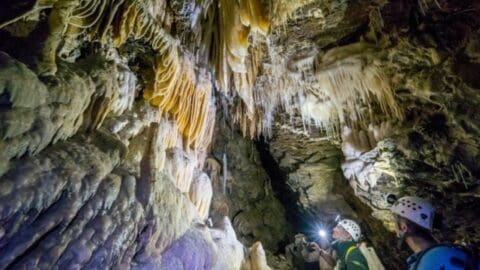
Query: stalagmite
[[226, 241], [214, 169], [225, 171], [255, 259], [201, 193]]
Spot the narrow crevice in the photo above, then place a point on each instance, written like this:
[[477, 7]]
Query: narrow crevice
[[287, 197]]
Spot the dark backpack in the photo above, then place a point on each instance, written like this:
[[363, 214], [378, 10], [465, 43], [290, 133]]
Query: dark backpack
[[448, 257]]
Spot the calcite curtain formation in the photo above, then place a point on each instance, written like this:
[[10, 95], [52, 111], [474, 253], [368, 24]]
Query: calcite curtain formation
[[237, 20], [175, 89], [174, 84], [184, 94]]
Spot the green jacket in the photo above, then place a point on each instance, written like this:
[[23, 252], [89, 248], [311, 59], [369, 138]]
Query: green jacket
[[349, 256]]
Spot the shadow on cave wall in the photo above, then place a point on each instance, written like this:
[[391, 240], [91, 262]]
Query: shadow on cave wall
[[296, 216]]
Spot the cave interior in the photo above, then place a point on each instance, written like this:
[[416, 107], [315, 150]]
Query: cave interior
[[221, 134]]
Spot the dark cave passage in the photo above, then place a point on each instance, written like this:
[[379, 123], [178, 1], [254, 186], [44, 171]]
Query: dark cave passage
[[304, 222]]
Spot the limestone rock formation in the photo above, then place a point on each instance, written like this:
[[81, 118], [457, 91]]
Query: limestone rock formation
[[311, 165], [203, 134], [246, 194]]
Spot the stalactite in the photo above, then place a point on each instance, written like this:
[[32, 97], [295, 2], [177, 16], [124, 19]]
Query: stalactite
[[242, 66], [169, 134], [71, 19], [284, 9], [103, 99], [237, 22], [134, 21], [204, 140], [233, 43], [248, 112], [37, 6], [253, 14], [58, 22], [173, 82], [351, 87], [176, 90], [180, 95], [346, 85]]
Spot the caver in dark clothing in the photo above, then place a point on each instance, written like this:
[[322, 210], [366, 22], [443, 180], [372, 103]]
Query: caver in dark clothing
[[349, 257]]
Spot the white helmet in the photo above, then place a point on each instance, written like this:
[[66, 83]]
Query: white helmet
[[415, 209], [351, 227]]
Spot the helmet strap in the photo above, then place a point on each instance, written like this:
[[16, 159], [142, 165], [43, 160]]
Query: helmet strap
[[401, 240]]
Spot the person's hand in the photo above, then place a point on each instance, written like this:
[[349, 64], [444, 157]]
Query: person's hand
[[315, 247], [323, 252], [300, 239]]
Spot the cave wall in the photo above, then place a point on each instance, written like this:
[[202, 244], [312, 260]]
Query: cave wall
[[423, 144], [246, 194], [98, 170], [429, 152], [311, 166], [94, 200], [98, 198]]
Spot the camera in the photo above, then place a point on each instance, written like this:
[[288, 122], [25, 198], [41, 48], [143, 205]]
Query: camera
[[390, 198], [310, 247]]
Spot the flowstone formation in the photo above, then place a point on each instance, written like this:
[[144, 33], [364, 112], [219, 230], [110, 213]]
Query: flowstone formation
[[112, 154]]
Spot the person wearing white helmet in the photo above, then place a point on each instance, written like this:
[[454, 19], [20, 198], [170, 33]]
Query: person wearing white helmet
[[345, 252], [414, 221], [413, 224]]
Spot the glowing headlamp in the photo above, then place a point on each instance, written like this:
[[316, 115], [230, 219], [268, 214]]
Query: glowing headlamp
[[322, 233]]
